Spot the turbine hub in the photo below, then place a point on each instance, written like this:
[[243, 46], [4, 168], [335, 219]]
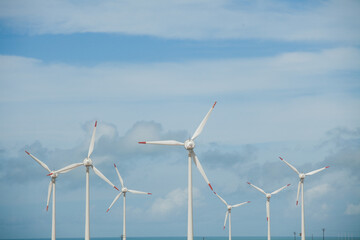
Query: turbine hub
[[229, 207], [268, 195], [124, 190], [189, 144], [302, 176], [87, 162], [54, 175]]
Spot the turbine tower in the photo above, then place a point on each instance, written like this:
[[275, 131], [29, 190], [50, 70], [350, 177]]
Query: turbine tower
[[87, 162], [50, 189], [268, 196], [228, 212], [301, 185], [189, 145], [124, 190]]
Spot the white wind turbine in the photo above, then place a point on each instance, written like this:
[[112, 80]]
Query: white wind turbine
[[50, 189], [301, 185], [268, 196], [124, 190], [87, 162], [228, 212], [189, 146]]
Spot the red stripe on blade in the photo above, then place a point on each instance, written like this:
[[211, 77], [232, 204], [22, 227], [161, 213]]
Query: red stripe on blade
[[95, 123], [142, 142], [27, 152]]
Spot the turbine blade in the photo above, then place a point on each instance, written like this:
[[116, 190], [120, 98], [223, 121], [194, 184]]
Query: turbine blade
[[280, 189], [226, 217], [138, 192], [201, 170], [257, 188], [68, 168], [291, 166], [267, 210], [202, 124], [221, 199], [49, 194], [120, 178], [238, 205], [39, 162], [297, 195], [91, 147], [316, 171], [164, 142], [97, 172], [116, 198]]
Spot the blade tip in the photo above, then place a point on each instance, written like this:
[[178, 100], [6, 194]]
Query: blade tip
[[267, 219], [149, 193], [108, 210], [114, 165], [214, 104], [249, 201], [281, 158], [224, 228], [27, 152], [211, 187], [49, 174], [116, 188], [327, 166], [248, 183], [95, 123], [47, 208], [297, 202], [288, 185], [142, 142]]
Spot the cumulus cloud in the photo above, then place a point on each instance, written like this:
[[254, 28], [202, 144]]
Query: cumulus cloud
[[327, 20], [173, 203], [352, 209]]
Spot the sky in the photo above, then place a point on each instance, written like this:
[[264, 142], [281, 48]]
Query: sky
[[286, 78]]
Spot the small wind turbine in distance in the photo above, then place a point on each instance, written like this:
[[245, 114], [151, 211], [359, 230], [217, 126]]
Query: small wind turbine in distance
[[268, 196], [189, 146], [87, 162], [228, 212], [301, 185], [124, 190], [51, 188]]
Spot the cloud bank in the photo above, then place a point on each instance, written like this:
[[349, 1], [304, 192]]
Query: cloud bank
[[330, 21]]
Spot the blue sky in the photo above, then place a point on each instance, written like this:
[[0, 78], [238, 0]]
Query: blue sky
[[286, 78]]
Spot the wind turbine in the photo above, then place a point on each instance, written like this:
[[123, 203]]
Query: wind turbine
[[87, 162], [50, 189], [124, 190], [189, 146], [268, 196], [301, 185], [228, 212]]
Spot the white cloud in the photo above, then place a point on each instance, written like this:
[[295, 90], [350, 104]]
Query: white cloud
[[327, 21], [307, 96], [171, 203], [352, 209], [318, 192]]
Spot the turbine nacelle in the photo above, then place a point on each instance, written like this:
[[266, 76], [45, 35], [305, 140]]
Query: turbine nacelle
[[229, 207], [87, 162], [302, 176], [124, 190], [268, 196], [189, 144]]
